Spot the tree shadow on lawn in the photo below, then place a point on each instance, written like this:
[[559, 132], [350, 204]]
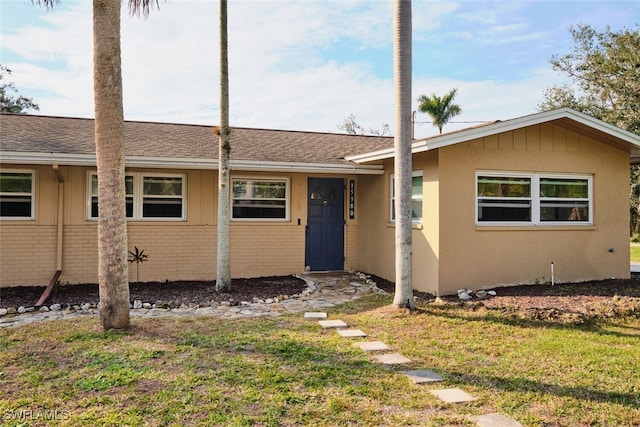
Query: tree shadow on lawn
[[575, 320], [524, 385]]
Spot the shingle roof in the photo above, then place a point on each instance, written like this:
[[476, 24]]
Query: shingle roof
[[62, 135]]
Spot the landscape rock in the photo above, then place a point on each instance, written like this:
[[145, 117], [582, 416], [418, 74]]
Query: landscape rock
[[3, 311], [55, 307], [481, 294], [464, 294], [137, 304]]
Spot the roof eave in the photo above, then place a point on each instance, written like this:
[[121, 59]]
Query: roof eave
[[440, 141], [14, 157]]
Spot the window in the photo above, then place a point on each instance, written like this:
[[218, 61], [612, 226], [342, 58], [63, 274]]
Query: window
[[161, 197], [504, 199], [564, 199], [128, 182], [532, 199], [263, 199], [148, 196], [416, 197], [16, 194]]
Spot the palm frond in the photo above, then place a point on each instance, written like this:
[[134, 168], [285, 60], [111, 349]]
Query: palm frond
[[137, 7]]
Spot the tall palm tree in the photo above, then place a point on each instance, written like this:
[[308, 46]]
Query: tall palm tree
[[441, 110], [113, 268], [223, 267], [402, 153]]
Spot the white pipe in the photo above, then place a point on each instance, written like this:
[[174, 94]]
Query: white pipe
[[553, 278]]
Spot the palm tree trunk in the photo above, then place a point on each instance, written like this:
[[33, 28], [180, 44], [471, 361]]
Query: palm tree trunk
[[223, 273], [402, 153], [113, 274]]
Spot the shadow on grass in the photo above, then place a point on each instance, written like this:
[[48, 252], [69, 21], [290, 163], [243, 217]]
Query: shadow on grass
[[590, 324], [525, 385]]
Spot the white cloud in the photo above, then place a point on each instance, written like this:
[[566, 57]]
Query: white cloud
[[302, 65]]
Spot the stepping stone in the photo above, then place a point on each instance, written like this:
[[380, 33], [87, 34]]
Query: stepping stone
[[326, 324], [392, 359], [373, 346], [453, 395], [351, 333], [423, 376], [495, 420], [315, 315]]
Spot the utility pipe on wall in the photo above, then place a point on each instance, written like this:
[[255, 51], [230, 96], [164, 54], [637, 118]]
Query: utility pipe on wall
[[60, 218], [52, 283]]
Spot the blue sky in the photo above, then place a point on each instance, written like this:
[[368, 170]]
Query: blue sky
[[302, 64]]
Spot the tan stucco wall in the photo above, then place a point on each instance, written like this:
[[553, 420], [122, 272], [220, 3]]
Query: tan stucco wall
[[377, 243], [482, 257], [451, 252], [177, 250]]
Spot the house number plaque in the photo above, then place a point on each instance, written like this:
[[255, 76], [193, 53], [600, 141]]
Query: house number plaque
[[352, 199]]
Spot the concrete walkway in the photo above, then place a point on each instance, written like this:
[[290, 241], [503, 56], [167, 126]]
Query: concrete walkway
[[323, 290]]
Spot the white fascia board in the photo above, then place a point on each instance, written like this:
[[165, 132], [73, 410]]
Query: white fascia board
[[30, 158], [248, 165], [10, 157], [440, 141]]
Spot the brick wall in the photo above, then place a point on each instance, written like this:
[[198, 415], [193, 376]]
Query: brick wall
[[28, 255], [266, 249]]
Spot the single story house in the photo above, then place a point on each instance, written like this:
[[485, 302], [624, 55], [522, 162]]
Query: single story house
[[494, 205]]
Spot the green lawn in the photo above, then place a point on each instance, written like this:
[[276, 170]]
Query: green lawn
[[288, 371], [635, 253]]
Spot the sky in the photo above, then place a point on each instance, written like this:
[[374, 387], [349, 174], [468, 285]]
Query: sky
[[302, 64]]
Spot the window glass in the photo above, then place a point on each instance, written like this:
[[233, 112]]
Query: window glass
[[16, 196], [147, 197], [160, 186], [564, 199], [416, 197], [162, 197], [504, 199], [500, 186], [259, 199], [565, 188], [533, 199], [323, 192]]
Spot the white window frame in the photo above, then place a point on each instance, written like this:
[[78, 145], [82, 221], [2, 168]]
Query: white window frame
[[138, 196], [536, 199], [32, 194], [414, 174], [285, 180]]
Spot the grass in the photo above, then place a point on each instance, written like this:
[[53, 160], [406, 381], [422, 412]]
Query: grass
[[288, 371], [635, 253]]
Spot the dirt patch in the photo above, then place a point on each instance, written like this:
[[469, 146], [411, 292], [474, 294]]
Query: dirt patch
[[567, 302], [165, 294]]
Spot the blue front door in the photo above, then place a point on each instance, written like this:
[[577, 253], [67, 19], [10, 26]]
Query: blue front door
[[325, 224]]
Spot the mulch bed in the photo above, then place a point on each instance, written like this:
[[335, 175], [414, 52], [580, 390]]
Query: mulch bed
[[567, 302], [172, 294]]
